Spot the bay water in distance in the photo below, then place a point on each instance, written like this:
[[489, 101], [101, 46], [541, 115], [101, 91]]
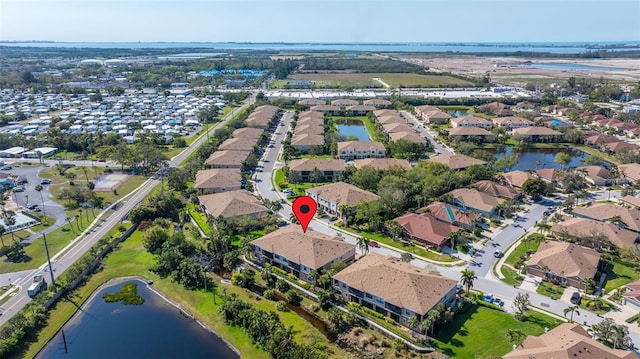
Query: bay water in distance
[[542, 47]]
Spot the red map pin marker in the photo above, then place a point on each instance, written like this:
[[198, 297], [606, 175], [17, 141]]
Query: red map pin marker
[[304, 207]]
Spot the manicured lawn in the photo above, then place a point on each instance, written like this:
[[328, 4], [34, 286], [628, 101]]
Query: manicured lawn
[[405, 246], [511, 277], [279, 179], [521, 250], [551, 290], [619, 274], [131, 259], [56, 240], [481, 332]]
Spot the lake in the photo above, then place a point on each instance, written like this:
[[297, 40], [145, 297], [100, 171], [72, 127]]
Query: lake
[[155, 329], [570, 67], [542, 157], [354, 128], [459, 114]]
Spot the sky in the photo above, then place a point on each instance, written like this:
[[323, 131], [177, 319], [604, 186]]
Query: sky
[[320, 20]]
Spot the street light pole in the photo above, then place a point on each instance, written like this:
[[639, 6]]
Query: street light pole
[[46, 248]]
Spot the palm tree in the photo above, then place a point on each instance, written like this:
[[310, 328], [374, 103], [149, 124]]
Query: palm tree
[[275, 206], [39, 189], [363, 244], [433, 316], [78, 218], [412, 323], [425, 325], [514, 336], [293, 219], [468, 276], [314, 274], [10, 220], [68, 219], [572, 309], [2, 230]]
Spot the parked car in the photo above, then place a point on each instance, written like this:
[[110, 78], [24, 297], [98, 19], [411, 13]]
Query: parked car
[[497, 253], [374, 244], [6, 168], [333, 219], [22, 180], [45, 181], [32, 206], [575, 298], [18, 189]]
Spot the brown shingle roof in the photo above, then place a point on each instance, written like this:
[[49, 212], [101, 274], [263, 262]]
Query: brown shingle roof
[[311, 102], [238, 144], [227, 158], [426, 228], [399, 283], [361, 146], [312, 249], [582, 228], [512, 121], [603, 211], [630, 170], [343, 102], [565, 258], [567, 341], [634, 201], [218, 178], [536, 131], [230, 204], [410, 136], [322, 164], [305, 139], [471, 121], [475, 199], [366, 108], [448, 213], [469, 131], [248, 132], [382, 164], [457, 162], [343, 194], [496, 190], [517, 178]]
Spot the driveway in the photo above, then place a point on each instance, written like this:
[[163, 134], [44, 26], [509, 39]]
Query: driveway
[[438, 146]]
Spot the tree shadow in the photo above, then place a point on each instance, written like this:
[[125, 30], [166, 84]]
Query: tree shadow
[[456, 326]]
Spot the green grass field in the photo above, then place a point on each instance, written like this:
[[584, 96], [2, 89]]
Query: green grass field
[[619, 274], [131, 259], [481, 332], [56, 241], [551, 290]]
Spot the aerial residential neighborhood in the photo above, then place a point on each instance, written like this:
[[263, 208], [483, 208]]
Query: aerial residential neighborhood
[[306, 200]]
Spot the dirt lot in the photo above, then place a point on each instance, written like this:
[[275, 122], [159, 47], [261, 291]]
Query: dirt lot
[[394, 80], [510, 69]]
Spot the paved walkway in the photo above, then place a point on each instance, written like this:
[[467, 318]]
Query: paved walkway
[[530, 283]]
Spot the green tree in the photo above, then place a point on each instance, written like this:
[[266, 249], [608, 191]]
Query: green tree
[[366, 178], [363, 244], [412, 323], [468, 276], [534, 187], [521, 304], [515, 336], [178, 178], [39, 188], [154, 238], [571, 309], [506, 162], [562, 158]]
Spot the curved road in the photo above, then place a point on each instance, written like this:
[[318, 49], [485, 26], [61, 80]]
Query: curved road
[[481, 263]]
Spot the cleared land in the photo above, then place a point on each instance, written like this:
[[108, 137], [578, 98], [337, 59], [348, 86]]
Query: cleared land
[[511, 70], [365, 80]]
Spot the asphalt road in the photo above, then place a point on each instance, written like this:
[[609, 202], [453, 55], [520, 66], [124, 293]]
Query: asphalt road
[[438, 146], [84, 242], [481, 263]]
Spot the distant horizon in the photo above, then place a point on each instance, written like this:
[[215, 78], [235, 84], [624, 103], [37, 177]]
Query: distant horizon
[[322, 21], [577, 42]]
